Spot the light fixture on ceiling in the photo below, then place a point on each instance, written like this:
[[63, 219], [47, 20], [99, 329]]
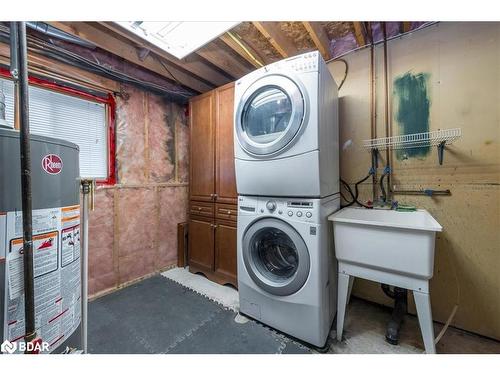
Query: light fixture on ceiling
[[178, 38]]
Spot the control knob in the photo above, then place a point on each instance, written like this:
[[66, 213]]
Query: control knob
[[271, 205]]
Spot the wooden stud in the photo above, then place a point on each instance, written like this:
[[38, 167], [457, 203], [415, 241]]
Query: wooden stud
[[128, 52], [359, 33], [145, 109], [273, 34], [319, 37], [247, 54], [192, 63]]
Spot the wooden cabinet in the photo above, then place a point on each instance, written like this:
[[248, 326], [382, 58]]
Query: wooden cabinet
[[202, 145], [201, 243], [225, 180], [225, 246], [213, 196]]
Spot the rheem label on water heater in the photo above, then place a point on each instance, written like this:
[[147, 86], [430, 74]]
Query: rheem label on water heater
[[57, 277], [52, 164]]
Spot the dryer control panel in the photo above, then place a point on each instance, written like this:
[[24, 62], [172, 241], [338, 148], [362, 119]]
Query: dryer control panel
[[307, 62]]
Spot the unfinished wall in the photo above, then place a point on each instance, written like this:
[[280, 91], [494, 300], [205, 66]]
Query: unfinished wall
[[457, 66], [133, 230]]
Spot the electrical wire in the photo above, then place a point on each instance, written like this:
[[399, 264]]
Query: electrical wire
[[345, 73], [50, 50], [168, 70], [244, 48], [455, 308]]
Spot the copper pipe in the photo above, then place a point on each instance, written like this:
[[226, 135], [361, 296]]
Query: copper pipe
[[373, 109], [388, 130]]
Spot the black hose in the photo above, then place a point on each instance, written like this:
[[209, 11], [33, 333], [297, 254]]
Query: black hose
[[355, 195], [357, 192], [348, 188], [387, 291], [384, 193]]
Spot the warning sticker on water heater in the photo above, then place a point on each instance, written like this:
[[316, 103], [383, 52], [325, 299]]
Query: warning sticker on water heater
[[57, 278]]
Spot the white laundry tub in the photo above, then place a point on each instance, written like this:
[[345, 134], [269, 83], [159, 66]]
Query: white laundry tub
[[386, 240]]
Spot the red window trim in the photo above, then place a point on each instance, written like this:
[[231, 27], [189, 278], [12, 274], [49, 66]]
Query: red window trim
[[111, 109]]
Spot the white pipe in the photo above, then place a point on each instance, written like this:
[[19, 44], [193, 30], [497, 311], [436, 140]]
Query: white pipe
[[85, 262]]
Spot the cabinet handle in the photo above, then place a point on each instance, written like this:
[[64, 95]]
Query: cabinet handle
[[229, 212], [199, 208]]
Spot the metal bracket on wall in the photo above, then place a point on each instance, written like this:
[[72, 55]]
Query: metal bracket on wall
[[441, 152]]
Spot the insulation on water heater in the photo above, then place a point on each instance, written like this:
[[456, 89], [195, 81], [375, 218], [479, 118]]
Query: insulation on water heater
[[56, 241]]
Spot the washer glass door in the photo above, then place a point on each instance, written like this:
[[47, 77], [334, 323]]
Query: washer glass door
[[269, 115], [276, 256]]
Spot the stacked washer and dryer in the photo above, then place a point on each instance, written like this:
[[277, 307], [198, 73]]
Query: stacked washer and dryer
[[287, 177]]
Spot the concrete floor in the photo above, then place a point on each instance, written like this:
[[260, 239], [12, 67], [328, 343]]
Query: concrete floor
[[160, 315], [365, 329]]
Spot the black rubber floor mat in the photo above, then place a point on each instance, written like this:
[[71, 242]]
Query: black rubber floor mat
[[158, 315]]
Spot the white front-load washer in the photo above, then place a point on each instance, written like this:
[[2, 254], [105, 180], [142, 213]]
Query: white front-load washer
[[287, 270], [286, 130]]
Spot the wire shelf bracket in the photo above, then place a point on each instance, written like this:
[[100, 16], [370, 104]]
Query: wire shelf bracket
[[439, 138]]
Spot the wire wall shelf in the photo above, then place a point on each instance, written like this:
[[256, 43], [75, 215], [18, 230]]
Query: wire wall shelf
[[439, 138], [434, 138]]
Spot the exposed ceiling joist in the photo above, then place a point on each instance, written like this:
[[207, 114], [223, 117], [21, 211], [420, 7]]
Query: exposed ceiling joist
[[359, 33], [129, 53], [273, 34], [319, 37], [217, 55], [241, 48], [192, 63], [406, 26], [50, 68]]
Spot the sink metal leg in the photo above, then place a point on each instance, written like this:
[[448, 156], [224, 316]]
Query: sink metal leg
[[423, 304], [343, 291], [349, 292]]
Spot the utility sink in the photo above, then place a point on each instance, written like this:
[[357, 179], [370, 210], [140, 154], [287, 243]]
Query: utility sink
[[389, 247], [386, 240]]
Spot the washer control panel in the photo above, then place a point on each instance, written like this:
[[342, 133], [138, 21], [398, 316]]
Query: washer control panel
[[292, 209]]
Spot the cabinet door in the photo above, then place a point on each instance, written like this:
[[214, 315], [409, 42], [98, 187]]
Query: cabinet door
[[202, 147], [225, 253], [225, 182], [201, 244]]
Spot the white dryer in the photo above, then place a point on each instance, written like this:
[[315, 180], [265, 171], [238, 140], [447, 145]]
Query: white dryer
[[287, 270], [286, 130]]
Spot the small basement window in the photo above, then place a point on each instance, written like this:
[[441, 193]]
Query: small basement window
[[72, 118]]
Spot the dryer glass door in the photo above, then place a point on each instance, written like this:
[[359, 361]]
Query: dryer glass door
[[269, 115], [276, 256]]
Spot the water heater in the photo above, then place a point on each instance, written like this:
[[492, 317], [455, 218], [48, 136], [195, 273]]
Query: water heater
[[56, 242]]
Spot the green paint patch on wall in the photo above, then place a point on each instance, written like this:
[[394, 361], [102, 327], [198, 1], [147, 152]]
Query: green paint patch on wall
[[412, 102]]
